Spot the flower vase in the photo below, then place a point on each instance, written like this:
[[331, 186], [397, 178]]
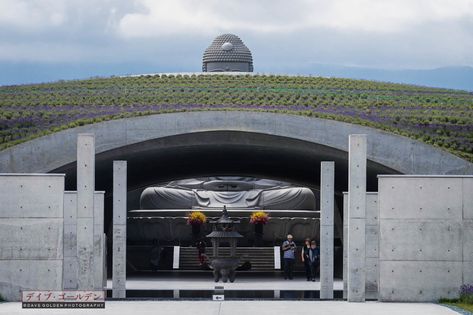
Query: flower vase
[[258, 234], [195, 229]]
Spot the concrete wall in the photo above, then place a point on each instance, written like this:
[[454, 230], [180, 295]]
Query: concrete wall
[[85, 210], [372, 245], [31, 233], [399, 153], [70, 241], [426, 238], [119, 229], [38, 222]]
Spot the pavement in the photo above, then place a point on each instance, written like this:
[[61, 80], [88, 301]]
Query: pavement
[[242, 308]]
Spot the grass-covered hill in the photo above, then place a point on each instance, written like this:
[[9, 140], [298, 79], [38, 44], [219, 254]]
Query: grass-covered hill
[[439, 117]]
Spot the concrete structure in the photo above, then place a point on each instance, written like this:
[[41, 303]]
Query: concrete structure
[[100, 256], [356, 219], [52, 239], [327, 195], [395, 152], [227, 53], [119, 229], [372, 245], [71, 268], [31, 233], [85, 210], [70, 272], [404, 220], [426, 238]]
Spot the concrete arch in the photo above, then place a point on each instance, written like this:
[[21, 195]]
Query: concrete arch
[[398, 153]]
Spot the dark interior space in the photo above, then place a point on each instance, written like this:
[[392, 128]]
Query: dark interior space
[[219, 153]]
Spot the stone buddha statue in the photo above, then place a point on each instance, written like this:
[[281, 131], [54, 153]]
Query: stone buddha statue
[[233, 192]]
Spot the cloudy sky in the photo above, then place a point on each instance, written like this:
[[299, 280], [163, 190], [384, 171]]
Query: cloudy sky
[[42, 40]]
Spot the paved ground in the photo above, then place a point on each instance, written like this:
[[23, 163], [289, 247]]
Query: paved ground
[[206, 283], [243, 307]]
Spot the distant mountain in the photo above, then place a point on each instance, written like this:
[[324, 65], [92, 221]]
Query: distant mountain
[[447, 77]]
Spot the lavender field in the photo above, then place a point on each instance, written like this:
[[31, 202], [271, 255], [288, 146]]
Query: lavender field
[[443, 118]]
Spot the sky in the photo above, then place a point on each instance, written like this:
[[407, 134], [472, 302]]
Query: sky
[[44, 40]]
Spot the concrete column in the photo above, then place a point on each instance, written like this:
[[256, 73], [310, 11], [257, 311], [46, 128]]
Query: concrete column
[[85, 210], [327, 191], [356, 218], [119, 229]]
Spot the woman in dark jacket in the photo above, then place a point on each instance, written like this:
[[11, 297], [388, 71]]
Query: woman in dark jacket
[[305, 258]]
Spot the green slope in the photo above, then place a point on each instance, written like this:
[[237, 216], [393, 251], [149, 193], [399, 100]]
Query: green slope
[[439, 117]]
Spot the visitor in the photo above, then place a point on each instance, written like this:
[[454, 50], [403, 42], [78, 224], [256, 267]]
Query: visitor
[[305, 258], [200, 244], [314, 257], [289, 249]]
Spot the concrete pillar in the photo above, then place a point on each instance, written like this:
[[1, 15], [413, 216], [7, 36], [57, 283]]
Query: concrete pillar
[[327, 194], [356, 218], [119, 229], [85, 210]]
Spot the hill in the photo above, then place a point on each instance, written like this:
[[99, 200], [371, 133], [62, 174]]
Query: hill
[[440, 117]]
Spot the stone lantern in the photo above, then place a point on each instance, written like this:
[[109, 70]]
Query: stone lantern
[[223, 232]]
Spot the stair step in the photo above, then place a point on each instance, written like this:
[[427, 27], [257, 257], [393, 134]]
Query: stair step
[[261, 258]]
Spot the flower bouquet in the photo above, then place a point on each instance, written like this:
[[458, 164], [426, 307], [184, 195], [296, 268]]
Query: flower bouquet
[[196, 218], [259, 217]]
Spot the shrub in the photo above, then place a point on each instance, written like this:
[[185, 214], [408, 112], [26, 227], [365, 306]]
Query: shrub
[[466, 294]]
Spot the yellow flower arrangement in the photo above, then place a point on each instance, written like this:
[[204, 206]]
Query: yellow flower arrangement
[[196, 218], [259, 217]]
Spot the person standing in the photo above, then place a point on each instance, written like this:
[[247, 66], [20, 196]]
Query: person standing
[[289, 250], [314, 257], [200, 244], [305, 258]]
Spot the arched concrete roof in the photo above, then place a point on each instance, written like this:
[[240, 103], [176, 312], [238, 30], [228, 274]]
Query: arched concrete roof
[[399, 153]]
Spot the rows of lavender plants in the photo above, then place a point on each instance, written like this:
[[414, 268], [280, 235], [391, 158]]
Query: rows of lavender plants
[[440, 117]]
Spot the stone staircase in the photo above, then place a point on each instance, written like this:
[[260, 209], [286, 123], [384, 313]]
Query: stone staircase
[[261, 258]]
